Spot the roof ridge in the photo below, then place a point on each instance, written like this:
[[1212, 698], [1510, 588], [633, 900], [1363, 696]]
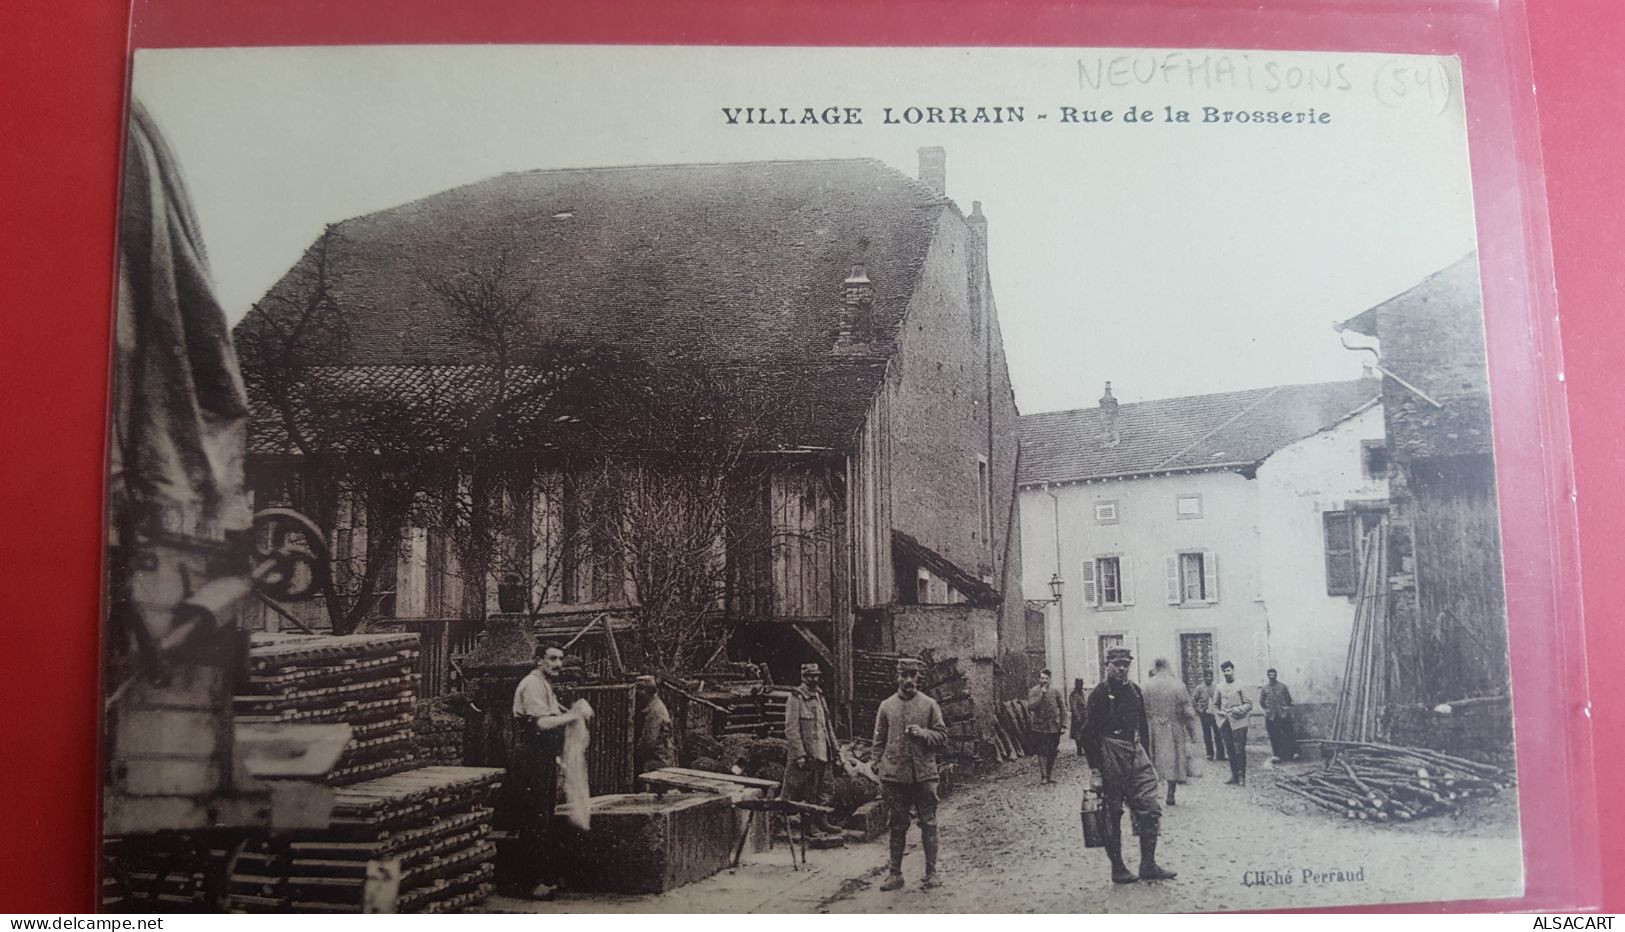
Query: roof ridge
[[1231, 420], [1158, 401]]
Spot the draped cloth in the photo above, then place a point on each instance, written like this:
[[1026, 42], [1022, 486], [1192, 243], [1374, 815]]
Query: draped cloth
[[180, 412], [573, 767]]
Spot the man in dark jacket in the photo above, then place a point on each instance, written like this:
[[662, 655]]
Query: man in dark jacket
[[1116, 739]]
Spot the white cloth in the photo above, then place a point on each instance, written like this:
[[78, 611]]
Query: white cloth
[[573, 767]]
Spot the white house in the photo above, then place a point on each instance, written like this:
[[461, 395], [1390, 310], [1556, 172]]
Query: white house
[[1204, 529]]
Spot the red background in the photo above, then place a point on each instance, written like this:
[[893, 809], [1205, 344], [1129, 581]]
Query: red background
[[63, 73]]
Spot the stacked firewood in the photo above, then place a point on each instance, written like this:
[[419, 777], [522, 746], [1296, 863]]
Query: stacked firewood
[[434, 822], [367, 681], [757, 711], [947, 683], [874, 677], [1013, 729], [439, 735], [1386, 783]]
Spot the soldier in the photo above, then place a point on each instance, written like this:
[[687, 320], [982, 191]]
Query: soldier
[[1049, 714], [908, 729], [809, 743], [1234, 709], [654, 747], [1116, 739]]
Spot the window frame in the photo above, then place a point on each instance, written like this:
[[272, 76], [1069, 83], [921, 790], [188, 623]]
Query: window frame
[[1188, 496]]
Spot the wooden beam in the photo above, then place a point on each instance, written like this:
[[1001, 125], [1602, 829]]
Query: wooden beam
[[818, 646]]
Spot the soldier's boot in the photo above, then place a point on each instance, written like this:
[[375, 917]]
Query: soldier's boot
[[1171, 785], [928, 842], [1148, 853], [894, 872], [1114, 851]]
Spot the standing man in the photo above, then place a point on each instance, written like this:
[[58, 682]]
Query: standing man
[[1231, 704], [1047, 710], [538, 726], [655, 746], [1173, 723], [1277, 702], [1116, 739], [908, 729], [810, 743], [1202, 698], [1078, 702]]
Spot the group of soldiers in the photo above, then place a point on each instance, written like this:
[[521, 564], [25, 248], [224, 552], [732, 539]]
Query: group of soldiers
[[1134, 739]]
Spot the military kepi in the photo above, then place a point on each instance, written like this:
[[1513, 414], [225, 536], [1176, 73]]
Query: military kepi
[[807, 668], [908, 665], [1118, 653]]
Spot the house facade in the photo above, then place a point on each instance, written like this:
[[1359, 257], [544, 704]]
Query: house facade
[[1202, 529], [856, 430], [1446, 606]]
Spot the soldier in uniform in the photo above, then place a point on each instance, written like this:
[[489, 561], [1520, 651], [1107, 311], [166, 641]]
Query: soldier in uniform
[[810, 750], [1116, 739], [909, 729]]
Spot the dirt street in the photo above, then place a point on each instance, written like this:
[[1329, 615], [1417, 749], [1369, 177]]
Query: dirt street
[[1012, 845]]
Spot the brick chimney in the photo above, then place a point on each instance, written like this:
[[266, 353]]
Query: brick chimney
[[934, 169], [856, 324], [1110, 434]]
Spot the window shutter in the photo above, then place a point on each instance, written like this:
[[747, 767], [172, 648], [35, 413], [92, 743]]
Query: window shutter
[[1210, 575], [1125, 579], [1172, 566], [1091, 586], [1338, 528]]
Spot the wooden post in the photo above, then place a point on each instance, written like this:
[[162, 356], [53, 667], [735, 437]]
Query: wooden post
[[841, 598]]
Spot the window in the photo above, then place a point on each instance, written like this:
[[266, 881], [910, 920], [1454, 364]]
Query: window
[[1188, 506], [1108, 582], [1193, 578], [1346, 534], [1341, 569], [1374, 459], [922, 586], [1106, 512]]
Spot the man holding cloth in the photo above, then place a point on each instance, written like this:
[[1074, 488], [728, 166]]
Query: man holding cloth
[[539, 721], [809, 743], [1116, 739], [908, 729]]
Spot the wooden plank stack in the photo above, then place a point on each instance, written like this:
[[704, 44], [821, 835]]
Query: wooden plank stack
[[366, 680], [436, 821], [1012, 730], [756, 711], [874, 677], [946, 682], [1386, 783]]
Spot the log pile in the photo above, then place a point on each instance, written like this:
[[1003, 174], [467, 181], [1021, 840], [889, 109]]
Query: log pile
[[368, 681], [1387, 783], [874, 677], [1013, 730], [946, 682], [756, 711], [439, 736], [435, 821]]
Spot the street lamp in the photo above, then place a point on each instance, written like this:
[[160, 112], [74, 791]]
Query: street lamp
[[1056, 584]]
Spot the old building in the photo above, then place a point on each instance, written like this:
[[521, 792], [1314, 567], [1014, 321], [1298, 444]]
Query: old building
[[1205, 528], [789, 374], [1446, 599]]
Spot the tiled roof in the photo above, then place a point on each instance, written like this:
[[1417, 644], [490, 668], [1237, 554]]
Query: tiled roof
[[1229, 429], [736, 266]]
